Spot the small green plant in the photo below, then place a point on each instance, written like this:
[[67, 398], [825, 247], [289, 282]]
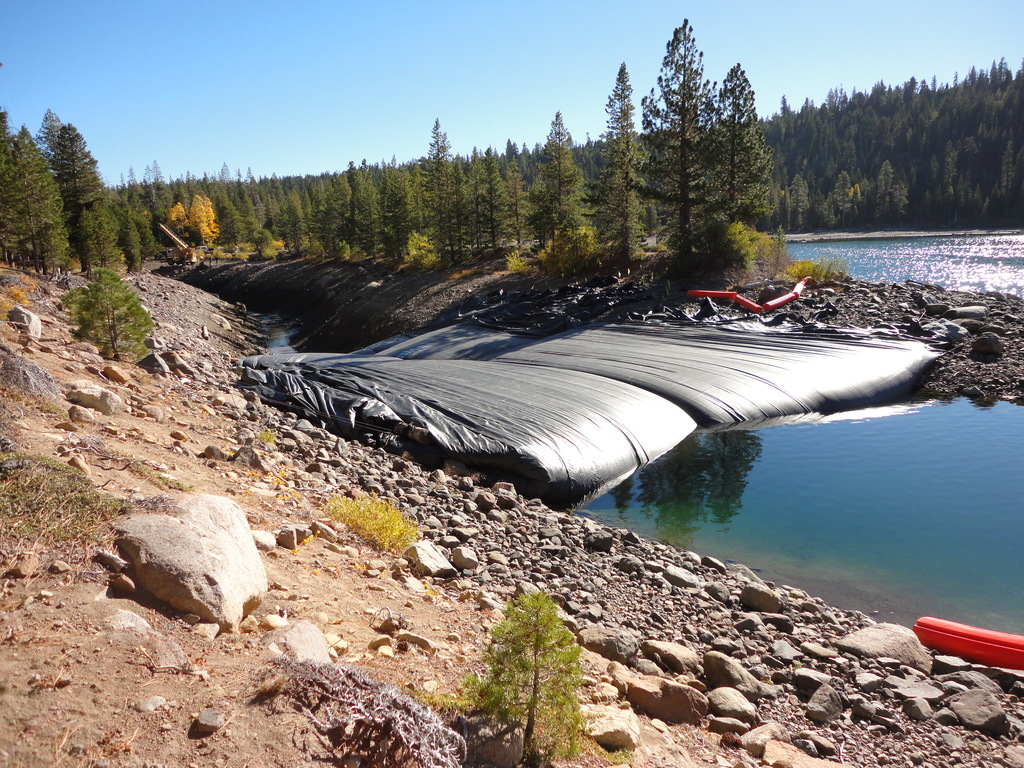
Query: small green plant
[[109, 314], [573, 251], [377, 520], [422, 256], [266, 436], [516, 263], [41, 498], [532, 678], [824, 270]]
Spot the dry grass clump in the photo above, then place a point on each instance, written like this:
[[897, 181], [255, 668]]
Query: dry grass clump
[[377, 520], [41, 498], [824, 270]]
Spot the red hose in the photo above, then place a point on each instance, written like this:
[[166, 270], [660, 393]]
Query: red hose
[[753, 306]]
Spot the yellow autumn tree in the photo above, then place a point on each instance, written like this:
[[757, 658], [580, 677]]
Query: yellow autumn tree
[[202, 220], [177, 219]]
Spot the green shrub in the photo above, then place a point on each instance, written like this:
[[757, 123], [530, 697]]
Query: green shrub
[[573, 251], [377, 520], [824, 270], [109, 314], [532, 678], [516, 263], [266, 436], [422, 256]]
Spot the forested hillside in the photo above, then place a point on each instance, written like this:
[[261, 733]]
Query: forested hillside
[[700, 169], [917, 154]]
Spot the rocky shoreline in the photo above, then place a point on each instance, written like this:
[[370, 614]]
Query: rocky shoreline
[[690, 661]]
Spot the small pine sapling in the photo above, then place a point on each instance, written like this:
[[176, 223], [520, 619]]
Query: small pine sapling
[[532, 678], [109, 314]]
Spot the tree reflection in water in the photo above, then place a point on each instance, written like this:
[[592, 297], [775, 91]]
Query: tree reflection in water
[[700, 481]]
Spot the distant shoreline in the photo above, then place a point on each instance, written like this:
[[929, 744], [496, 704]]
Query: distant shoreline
[[829, 236]]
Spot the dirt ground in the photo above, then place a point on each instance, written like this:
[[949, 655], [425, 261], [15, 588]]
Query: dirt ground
[[78, 688]]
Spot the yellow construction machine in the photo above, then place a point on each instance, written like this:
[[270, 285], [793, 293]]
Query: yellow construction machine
[[183, 253]]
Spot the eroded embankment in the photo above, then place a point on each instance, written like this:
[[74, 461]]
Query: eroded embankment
[[340, 307]]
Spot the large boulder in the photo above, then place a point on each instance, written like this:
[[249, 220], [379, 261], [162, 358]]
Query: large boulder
[[27, 322], [890, 641], [612, 727], [728, 702], [667, 700], [93, 396], [677, 657], [725, 671], [614, 644], [428, 559], [198, 556], [982, 711]]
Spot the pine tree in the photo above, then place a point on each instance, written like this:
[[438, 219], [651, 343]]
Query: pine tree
[[97, 238], [556, 195], [532, 678], [515, 202], [395, 211], [108, 314], [35, 221], [443, 193], [75, 171], [493, 200], [365, 210], [619, 214], [742, 159], [676, 122]]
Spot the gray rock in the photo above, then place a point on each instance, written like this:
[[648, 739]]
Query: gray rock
[[264, 540], [465, 559], [728, 702], [755, 741], [613, 728], [917, 709], [248, 457], [947, 329], [716, 590], [988, 344], [971, 312], [90, 395], [760, 597], [809, 680], [615, 644], [427, 559], [666, 699], [724, 671], [888, 640], [154, 363], [680, 577], [26, 321], [499, 745], [981, 711], [675, 656], [209, 721], [825, 704], [303, 640], [912, 689], [199, 557]]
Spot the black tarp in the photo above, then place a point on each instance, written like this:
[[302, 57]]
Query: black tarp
[[566, 405], [557, 434]]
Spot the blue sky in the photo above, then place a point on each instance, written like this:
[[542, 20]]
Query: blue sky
[[309, 85]]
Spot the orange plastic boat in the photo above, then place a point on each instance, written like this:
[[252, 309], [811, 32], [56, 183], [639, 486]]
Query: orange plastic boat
[[985, 646]]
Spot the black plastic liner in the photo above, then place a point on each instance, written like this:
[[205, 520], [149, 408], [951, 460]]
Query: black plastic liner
[[532, 389], [557, 434]]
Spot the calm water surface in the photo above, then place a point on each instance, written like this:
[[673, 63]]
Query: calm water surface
[[908, 510]]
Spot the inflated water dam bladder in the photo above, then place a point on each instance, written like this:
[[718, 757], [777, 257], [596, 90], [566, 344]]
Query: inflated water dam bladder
[[567, 414]]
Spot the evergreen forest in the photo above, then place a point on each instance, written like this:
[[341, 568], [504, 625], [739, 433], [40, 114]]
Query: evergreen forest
[[690, 169]]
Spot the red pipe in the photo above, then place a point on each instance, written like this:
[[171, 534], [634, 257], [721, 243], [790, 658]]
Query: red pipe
[[751, 305]]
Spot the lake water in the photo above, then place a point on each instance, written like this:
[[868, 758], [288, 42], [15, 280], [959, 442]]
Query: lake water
[[906, 510]]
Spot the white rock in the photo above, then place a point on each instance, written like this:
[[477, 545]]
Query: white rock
[[199, 557], [613, 728], [93, 396]]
